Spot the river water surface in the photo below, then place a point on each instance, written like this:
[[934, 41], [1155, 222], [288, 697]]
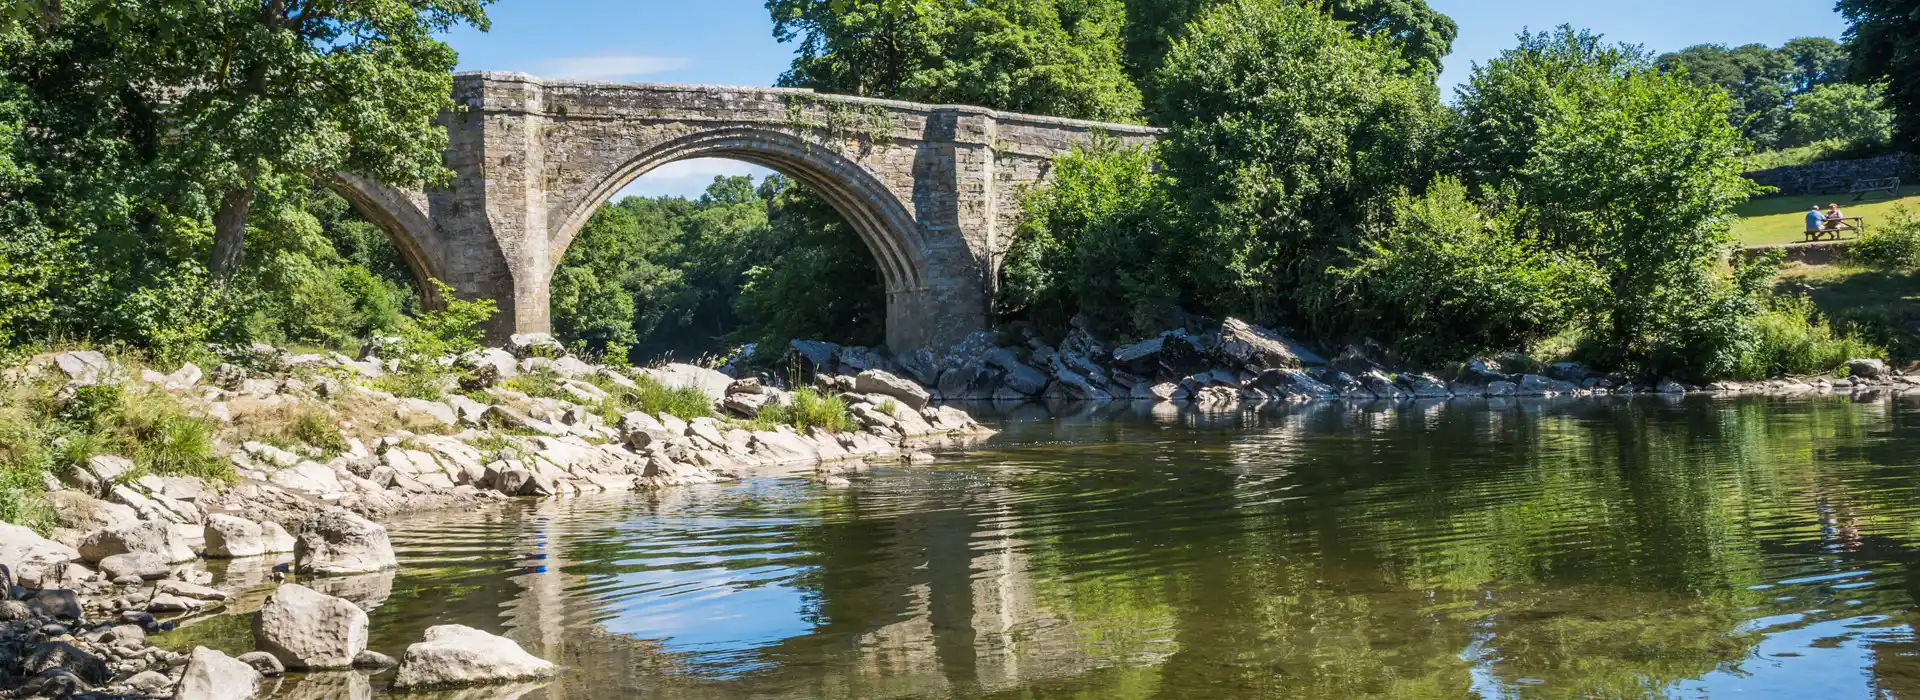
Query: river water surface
[[1750, 547]]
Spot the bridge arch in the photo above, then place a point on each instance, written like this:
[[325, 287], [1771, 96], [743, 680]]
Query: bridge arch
[[404, 222], [890, 232]]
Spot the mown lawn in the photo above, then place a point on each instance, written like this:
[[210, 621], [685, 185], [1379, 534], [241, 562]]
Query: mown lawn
[[1879, 306], [1777, 220]]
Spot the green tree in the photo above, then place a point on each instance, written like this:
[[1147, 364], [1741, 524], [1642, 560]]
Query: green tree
[[1448, 279], [1766, 83], [1287, 133], [1424, 35], [1640, 173], [292, 87], [1512, 97], [1853, 115], [1055, 57], [1885, 38], [825, 285], [1090, 245]]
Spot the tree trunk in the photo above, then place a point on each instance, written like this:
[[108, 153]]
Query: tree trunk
[[230, 231]]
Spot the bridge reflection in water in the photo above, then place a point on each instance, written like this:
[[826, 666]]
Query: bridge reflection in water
[[1643, 548]]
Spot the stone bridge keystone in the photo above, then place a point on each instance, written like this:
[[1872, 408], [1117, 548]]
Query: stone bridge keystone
[[934, 191]]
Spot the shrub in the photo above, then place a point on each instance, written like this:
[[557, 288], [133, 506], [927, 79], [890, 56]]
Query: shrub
[[1286, 134], [685, 402], [808, 409], [1088, 245], [1893, 245], [1447, 281], [1794, 339], [430, 341]]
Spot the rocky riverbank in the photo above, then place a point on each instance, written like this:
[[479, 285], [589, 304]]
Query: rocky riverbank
[[318, 451], [1236, 364], [319, 448]]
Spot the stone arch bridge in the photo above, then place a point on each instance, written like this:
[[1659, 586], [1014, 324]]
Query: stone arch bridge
[[934, 191]]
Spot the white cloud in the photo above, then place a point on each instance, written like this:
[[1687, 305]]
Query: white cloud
[[610, 67], [687, 178]]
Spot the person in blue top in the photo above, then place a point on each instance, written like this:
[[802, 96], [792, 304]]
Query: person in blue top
[[1815, 219]]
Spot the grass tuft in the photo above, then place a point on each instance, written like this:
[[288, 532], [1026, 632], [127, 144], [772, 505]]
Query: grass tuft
[[808, 409]]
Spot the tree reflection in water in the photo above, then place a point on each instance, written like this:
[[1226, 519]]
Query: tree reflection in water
[[1560, 548]]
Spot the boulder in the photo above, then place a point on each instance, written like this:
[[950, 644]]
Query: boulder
[[970, 381], [277, 539], [54, 602], [678, 375], [100, 473], [337, 541], [746, 405], [1867, 368], [266, 664], [783, 447], [1171, 354], [211, 675], [1292, 384], [84, 366], [228, 537], [85, 513], [50, 655], [1536, 385], [436, 410], [306, 629], [525, 345], [1423, 386], [905, 391], [512, 419], [1246, 346], [311, 477], [1020, 376], [371, 659], [153, 537], [456, 655], [813, 356], [145, 566]]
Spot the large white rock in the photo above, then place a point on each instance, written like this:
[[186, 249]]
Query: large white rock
[[150, 536], [229, 537], [30, 556], [307, 629], [338, 542], [311, 477], [278, 540], [457, 655], [905, 391], [212, 675], [675, 376]]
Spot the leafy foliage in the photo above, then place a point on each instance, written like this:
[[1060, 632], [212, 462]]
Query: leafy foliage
[[1766, 84], [1451, 280], [1287, 133], [808, 409], [1893, 244], [1088, 246], [742, 263], [1885, 39], [1058, 57]]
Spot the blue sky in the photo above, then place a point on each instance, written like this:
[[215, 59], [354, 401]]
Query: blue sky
[[730, 42]]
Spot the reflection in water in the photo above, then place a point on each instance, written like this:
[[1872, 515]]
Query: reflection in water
[[1577, 548]]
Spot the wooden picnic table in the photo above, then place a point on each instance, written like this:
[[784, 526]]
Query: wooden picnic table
[[1832, 229]]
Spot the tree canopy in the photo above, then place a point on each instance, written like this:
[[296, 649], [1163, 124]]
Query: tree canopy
[[1885, 37]]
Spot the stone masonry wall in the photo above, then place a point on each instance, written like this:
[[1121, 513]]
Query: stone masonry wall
[[1836, 176], [935, 191]]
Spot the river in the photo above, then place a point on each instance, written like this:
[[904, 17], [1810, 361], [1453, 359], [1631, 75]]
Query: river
[[1649, 547]]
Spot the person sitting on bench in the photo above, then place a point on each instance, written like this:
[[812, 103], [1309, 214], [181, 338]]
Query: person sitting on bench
[[1836, 221], [1815, 219]]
